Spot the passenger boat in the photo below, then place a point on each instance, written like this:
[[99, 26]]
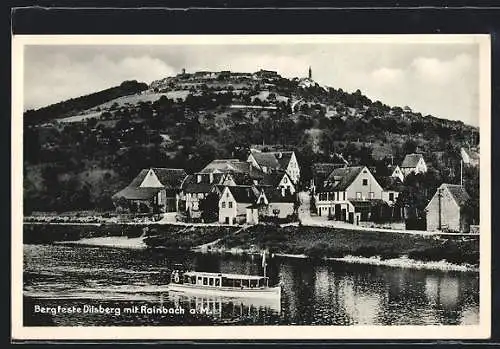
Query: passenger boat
[[223, 284]]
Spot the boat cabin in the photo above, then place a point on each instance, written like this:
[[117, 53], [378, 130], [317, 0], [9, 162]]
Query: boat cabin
[[205, 279]]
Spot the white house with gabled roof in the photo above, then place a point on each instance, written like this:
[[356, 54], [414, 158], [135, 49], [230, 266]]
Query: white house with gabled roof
[[269, 162]]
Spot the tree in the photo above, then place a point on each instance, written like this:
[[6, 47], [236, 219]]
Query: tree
[[409, 147], [209, 207]]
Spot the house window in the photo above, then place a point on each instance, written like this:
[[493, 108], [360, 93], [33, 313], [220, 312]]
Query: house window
[[372, 195], [365, 181], [223, 204], [358, 195], [343, 196], [322, 197], [230, 204], [391, 196], [284, 180], [227, 194]]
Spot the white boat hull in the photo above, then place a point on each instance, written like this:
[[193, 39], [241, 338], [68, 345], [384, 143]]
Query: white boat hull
[[269, 292]]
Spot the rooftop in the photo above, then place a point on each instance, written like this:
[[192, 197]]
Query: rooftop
[[411, 160]]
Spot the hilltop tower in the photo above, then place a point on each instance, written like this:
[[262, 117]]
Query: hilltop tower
[[310, 72]]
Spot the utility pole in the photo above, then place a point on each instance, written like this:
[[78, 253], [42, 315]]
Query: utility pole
[[461, 173], [439, 207]]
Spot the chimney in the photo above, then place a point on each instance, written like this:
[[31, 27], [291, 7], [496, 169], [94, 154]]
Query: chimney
[[199, 178]]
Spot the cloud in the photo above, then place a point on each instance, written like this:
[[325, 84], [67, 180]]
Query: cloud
[[438, 71], [59, 77], [387, 76]]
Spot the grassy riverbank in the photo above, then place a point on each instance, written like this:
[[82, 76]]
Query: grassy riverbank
[[314, 242], [318, 242], [156, 235]]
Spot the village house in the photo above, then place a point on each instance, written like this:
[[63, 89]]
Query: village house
[[153, 190], [244, 204], [279, 180], [393, 186], [413, 163], [237, 205], [469, 157], [397, 173], [217, 173], [321, 171], [447, 209], [269, 162], [272, 203], [342, 186], [195, 188]]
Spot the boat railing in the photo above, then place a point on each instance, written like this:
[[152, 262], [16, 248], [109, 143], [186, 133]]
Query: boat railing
[[224, 280]]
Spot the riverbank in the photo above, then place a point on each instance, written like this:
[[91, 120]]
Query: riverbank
[[312, 242], [321, 242], [165, 236]]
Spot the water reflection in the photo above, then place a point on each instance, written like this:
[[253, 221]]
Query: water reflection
[[312, 294], [228, 308]]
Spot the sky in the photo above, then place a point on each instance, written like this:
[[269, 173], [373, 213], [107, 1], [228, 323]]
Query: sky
[[440, 79]]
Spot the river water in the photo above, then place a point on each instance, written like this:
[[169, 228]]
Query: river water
[[131, 285]]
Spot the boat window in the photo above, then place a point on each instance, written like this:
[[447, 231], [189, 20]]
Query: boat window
[[199, 280], [237, 283], [205, 281], [193, 280], [217, 282], [227, 282], [211, 281]]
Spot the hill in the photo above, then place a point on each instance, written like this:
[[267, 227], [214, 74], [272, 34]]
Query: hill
[[79, 152], [79, 104]]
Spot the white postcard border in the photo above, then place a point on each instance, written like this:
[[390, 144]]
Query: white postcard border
[[20, 332]]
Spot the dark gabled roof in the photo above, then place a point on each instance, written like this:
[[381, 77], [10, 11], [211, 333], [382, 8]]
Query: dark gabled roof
[[411, 160], [325, 168], [275, 195], [235, 167], [226, 165], [136, 182], [170, 177], [391, 183], [242, 178], [191, 184], [283, 158], [266, 159], [458, 193], [273, 179], [137, 193], [244, 193], [343, 177]]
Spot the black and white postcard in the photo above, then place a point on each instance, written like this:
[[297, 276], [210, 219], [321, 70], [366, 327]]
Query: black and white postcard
[[251, 187]]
